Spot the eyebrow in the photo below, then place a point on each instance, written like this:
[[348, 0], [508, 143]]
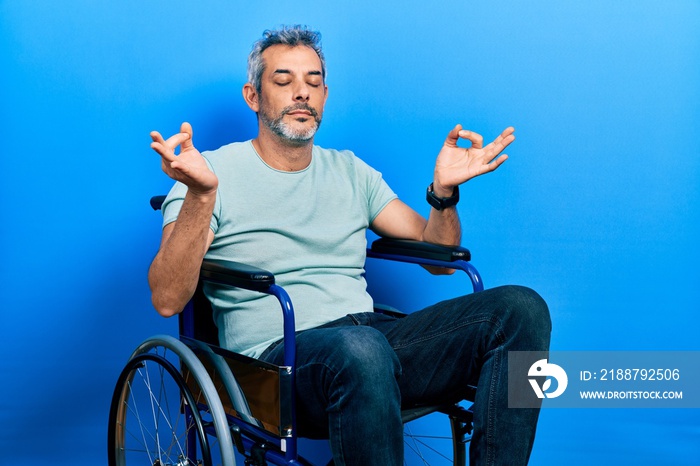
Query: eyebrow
[[285, 71]]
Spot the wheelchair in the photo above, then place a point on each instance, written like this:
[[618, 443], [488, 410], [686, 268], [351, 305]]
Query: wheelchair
[[187, 402]]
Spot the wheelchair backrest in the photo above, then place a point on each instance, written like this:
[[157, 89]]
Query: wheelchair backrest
[[196, 321]]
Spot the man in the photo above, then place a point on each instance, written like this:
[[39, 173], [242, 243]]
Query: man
[[301, 211]]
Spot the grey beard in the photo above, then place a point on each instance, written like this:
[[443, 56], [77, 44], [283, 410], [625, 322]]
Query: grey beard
[[283, 130]]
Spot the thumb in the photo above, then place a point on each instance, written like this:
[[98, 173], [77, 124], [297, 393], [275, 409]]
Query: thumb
[[187, 129], [453, 136]]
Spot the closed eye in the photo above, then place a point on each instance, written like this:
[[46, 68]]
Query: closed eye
[[314, 80]]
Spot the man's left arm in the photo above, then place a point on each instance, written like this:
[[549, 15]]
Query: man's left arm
[[454, 166]]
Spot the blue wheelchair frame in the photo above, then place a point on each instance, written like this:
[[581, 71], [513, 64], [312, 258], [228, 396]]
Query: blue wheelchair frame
[[247, 434]]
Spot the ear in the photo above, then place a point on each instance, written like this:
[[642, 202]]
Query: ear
[[250, 95]]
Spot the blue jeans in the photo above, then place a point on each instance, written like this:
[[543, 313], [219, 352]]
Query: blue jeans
[[355, 374]]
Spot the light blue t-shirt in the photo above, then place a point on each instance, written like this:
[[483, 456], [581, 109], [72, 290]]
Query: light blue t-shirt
[[306, 227]]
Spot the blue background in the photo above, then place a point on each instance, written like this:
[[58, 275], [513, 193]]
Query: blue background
[[597, 208]]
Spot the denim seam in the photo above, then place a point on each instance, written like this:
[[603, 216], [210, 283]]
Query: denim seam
[[339, 438], [491, 416], [479, 319], [338, 425]]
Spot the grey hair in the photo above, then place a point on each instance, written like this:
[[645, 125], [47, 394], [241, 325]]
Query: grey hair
[[293, 36]]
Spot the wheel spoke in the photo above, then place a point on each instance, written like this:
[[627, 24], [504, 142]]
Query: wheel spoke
[[161, 435], [428, 441], [416, 443], [134, 409]]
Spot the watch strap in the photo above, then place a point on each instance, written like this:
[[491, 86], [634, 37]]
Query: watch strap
[[440, 203]]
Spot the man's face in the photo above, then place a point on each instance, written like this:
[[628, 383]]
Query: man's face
[[292, 93]]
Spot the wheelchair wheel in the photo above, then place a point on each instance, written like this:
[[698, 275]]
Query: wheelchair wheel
[[157, 418], [437, 439]]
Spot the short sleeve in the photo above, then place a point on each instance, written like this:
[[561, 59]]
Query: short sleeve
[[377, 191]]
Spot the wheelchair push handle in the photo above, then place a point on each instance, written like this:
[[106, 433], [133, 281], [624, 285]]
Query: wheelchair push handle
[[157, 202]]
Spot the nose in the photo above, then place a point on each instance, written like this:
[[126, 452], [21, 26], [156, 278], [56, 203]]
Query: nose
[[301, 92]]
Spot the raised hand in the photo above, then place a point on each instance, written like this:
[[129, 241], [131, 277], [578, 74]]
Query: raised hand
[[456, 165], [188, 167]]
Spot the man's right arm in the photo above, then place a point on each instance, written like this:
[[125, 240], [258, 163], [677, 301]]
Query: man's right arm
[[174, 272]]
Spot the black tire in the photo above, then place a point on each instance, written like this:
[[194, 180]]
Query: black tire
[[165, 411], [158, 436]]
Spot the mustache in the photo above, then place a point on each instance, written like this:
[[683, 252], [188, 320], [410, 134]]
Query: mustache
[[304, 106]]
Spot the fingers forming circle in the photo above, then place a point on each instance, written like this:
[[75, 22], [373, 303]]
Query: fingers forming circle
[[475, 138]]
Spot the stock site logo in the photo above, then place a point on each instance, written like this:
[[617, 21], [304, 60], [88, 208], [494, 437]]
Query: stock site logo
[[542, 368]]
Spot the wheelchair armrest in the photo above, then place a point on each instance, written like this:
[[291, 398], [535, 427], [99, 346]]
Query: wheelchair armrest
[[420, 250], [236, 274], [416, 252]]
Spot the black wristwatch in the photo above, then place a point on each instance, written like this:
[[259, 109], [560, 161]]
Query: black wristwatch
[[442, 202]]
